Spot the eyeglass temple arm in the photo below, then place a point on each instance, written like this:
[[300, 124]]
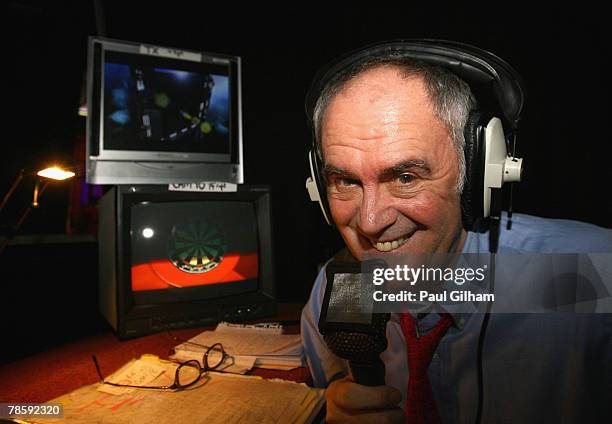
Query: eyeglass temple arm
[[95, 360]]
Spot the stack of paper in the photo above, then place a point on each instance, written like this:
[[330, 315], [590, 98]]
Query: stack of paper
[[215, 399], [261, 345]]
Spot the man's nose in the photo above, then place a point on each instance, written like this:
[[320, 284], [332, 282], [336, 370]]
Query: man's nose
[[376, 213]]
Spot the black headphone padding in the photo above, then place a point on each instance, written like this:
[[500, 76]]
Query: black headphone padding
[[472, 194]]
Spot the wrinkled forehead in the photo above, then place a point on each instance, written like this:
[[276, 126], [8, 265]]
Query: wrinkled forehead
[[383, 95], [377, 103], [385, 118], [383, 80]]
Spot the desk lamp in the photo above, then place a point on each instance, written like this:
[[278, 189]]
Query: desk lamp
[[44, 177]]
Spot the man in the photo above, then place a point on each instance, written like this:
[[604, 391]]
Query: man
[[390, 132]]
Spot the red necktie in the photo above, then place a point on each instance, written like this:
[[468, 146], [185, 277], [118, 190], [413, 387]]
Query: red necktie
[[420, 403]]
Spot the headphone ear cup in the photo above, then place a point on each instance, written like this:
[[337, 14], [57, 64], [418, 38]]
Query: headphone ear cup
[[472, 210], [321, 184]]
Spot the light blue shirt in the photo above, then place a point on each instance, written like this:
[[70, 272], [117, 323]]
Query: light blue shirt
[[537, 368]]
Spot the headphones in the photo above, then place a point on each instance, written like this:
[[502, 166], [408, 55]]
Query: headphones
[[500, 95]]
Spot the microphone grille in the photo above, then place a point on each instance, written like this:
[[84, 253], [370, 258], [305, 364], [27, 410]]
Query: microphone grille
[[356, 347]]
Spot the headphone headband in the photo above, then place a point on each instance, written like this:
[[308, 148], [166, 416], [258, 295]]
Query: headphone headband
[[474, 65]]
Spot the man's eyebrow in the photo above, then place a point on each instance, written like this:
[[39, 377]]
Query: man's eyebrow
[[406, 166], [331, 169]]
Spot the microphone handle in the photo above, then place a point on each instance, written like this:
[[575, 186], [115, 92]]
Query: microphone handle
[[368, 374]]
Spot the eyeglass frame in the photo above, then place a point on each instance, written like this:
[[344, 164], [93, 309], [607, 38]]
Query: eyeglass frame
[[176, 385]]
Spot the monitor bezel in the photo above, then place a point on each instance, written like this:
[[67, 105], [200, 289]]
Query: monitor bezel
[[226, 292], [112, 166]]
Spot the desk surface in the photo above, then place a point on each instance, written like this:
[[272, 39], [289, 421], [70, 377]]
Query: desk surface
[[47, 375]]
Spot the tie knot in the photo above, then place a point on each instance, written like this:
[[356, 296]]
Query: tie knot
[[409, 327], [421, 348]]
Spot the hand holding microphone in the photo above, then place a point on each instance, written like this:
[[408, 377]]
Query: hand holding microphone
[[348, 401]]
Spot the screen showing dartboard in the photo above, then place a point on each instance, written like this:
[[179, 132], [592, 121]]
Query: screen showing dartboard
[[179, 245]]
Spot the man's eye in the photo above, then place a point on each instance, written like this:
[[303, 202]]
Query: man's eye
[[405, 179], [346, 182], [343, 185]]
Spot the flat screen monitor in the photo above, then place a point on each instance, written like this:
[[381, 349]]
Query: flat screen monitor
[[171, 259], [158, 115]]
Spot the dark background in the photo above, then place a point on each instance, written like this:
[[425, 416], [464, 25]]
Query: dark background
[[559, 52]]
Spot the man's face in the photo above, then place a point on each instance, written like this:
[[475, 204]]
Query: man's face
[[391, 168]]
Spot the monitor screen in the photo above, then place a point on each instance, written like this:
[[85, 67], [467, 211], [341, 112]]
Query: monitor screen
[[181, 247], [164, 105]]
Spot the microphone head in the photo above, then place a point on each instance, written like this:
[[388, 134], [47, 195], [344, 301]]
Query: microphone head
[[357, 347], [348, 323]]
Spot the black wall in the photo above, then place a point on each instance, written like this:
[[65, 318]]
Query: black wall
[[560, 53]]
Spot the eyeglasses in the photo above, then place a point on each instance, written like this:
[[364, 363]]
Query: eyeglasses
[[187, 373]]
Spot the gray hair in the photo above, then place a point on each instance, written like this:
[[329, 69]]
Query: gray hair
[[451, 97]]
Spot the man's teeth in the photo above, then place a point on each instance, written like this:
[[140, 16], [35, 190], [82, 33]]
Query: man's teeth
[[390, 245]]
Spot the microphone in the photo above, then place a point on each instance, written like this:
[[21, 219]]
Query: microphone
[[363, 353], [348, 324]]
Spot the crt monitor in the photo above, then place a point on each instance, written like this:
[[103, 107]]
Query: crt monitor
[[174, 259], [158, 115]]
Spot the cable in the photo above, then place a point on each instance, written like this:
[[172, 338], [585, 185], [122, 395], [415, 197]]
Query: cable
[[509, 212], [493, 245], [481, 338]]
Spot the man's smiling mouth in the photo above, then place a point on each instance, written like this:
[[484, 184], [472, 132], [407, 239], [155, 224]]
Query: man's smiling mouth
[[390, 245]]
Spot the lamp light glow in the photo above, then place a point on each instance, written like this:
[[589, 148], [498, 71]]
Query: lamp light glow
[[55, 173]]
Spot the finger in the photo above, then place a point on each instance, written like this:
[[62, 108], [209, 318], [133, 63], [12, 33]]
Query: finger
[[350, 395]]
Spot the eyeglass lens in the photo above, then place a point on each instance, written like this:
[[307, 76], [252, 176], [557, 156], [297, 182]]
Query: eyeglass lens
[[214, 356], [187, 373]]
